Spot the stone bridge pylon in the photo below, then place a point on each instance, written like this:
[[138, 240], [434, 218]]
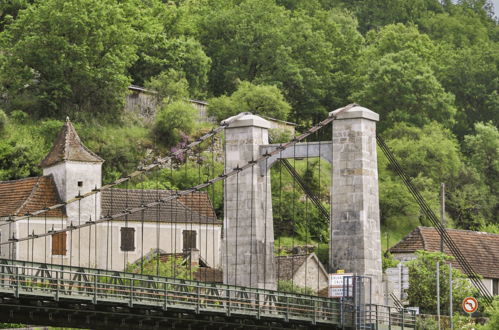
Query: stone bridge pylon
[[355, 244]]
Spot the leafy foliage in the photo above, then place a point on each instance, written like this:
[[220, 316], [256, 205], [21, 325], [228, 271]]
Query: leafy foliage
[[171, 267], [493, 313], [257, 99], [422, 282], [289, 286], [173, 120], [68, 56]]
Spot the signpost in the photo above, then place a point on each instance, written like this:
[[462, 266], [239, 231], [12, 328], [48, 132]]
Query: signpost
[[336, 285], [470, 305]]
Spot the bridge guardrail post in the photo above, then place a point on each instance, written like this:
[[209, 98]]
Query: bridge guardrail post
[[198, 298], [56, 298], [376, 316], [17, 283], [314, 320], [130, 303], [165, 292], [95, 289], [389, 318], [403, 320], [287, 309], [228, 301], [258, 307]]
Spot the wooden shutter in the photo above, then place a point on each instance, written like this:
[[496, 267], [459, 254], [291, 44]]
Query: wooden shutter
[[189, 239], [59, 244], [127, 239]]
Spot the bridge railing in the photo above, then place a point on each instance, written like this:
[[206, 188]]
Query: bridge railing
[[58, 282]]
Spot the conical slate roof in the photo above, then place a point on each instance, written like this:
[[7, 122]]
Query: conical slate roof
[[68, 146]]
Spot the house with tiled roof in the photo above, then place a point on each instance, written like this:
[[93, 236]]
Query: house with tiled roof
[[480, 249], [303, 270], [71, 169]]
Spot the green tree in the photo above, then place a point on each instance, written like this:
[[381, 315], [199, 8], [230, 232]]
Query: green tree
[[423, 283], [169, 86], [164, 43], [174, 120], [310, 58], [493, 314], [9, 10], [258, 99], [482, 150], [471, 75], [374, 14], [402, 87], [68, 56]]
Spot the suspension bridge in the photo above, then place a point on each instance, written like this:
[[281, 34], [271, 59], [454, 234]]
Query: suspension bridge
[[78, 253]]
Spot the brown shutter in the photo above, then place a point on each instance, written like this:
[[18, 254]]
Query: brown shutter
[[189, 237], [59, 244], [127, 239]]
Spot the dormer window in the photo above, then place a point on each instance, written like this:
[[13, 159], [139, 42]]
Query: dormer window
[[80, 183]]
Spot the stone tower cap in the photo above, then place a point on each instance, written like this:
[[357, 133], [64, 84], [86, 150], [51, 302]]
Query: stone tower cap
[[248, 119], [356, 112], [68, 146]]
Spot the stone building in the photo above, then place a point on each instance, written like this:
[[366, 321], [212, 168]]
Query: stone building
[[304, 270], [480, 249], [71, 169]]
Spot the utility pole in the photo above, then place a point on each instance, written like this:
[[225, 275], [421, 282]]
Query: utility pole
[[450, 296], [442, 212], [442, 221], [438, 294]]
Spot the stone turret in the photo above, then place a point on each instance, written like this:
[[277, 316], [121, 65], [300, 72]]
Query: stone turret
[[355, 244], [76, 169], [249, 234]]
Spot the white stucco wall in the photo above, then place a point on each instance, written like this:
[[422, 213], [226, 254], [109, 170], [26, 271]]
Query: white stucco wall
[[103, 251], [310, 275], [66, 177]]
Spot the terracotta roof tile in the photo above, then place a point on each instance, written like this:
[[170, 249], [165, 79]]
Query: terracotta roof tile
[[18, 197], [480, 249], [68, 146], [195, 207]]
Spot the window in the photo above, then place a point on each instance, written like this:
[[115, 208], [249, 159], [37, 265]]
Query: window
[[80, 183], [495, 287], [127, 239], [59, 244], [189, 239]]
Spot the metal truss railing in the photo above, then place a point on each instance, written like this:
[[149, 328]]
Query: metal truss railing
[[58, 282], [66, 283]]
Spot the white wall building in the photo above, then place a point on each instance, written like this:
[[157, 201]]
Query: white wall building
[[71, 169]]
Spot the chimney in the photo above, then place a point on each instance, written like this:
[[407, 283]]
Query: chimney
[[194, 257]]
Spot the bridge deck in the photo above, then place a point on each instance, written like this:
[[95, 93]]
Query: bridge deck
[[47, 282]]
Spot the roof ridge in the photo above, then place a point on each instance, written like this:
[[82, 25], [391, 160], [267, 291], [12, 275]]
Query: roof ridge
[[462, 230], [35, 186], [21, 179]]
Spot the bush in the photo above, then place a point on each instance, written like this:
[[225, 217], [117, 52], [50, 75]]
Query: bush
[[263, 100], [173, 120], [19, 116], [422, 282], [3, 122], [289, 286]]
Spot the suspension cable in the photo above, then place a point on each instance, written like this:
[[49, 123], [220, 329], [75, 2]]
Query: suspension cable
[[140, 170], [428, 212], [198, 187]]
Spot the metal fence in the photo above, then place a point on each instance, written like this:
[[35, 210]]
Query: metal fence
[[58, 282]]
